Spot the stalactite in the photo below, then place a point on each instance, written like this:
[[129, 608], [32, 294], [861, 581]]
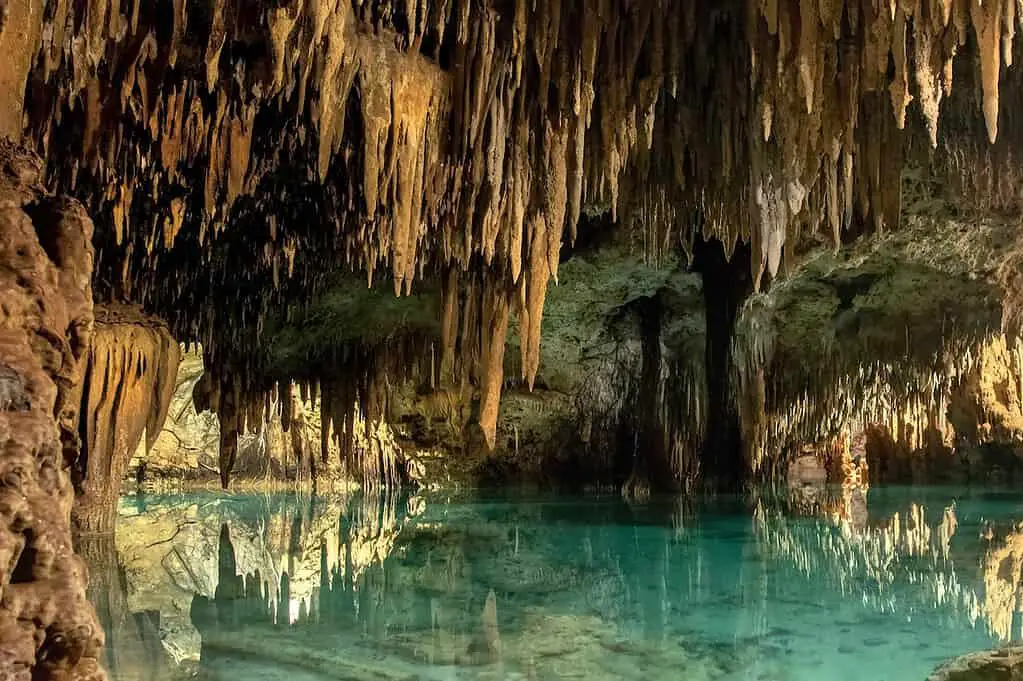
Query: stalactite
[[817, 395], [130, 377], [495, 329], [431, 139]]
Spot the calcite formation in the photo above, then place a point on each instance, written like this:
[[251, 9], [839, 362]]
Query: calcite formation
[[350, 389], [897, 338], [130, 376], [234, 152], [47, 628]]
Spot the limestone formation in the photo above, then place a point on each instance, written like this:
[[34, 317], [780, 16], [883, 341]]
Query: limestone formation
[[130, 376], [896, 339], [234, 153], [47, 628], [1005, 663]]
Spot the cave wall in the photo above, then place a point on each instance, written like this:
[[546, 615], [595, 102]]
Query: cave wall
[[234, 154], [562, 432], [48, 629]]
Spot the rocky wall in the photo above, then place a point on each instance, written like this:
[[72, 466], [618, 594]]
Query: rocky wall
[[895, 340], [48, 629]]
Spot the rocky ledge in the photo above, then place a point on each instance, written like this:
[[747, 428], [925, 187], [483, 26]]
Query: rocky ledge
[[1003, 664]]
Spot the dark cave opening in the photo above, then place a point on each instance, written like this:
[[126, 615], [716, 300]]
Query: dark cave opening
[[727, 283]]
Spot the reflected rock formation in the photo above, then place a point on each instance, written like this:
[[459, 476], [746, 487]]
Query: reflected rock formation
[[976, 577], [389, 587], [435, 602], [176, 552], [134, 650]]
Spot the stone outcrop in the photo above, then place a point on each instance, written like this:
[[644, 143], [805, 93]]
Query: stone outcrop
[[1005, 664], [186, 447], [130, 376], [47, 628], [988, 406]]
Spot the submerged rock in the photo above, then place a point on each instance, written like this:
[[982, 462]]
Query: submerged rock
[[1004, 664]]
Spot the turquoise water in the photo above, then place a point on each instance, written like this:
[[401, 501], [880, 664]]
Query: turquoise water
[[833, 588]]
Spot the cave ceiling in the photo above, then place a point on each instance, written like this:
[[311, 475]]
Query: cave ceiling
[[236, 155]]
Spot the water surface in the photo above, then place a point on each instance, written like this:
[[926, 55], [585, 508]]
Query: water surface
[[824, 588]]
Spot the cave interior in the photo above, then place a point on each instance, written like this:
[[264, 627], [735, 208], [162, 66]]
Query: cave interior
[[646, 247]]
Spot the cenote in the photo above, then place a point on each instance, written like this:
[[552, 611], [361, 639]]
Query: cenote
[[529, 340], [514, 586]]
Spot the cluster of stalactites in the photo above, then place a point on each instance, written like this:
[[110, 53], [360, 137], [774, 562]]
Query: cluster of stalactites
[[472, 135], [130, 379], [528, 145], [908, 397], [353, 400]]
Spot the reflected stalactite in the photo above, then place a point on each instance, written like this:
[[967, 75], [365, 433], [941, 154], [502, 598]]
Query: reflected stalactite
[[502, 590], [303, 583], [1003, 570], [133, 647], [891, 565]]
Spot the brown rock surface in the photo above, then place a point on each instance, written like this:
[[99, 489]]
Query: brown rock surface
[[988, 407], [47, 628], [1005, 664]]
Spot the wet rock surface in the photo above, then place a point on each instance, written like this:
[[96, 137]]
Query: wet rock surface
[[1005, 664], [47, 628]]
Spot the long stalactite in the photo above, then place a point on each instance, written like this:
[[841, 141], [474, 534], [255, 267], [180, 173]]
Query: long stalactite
[[129, 380]]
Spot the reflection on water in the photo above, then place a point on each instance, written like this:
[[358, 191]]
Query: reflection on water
[[882, 586]]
